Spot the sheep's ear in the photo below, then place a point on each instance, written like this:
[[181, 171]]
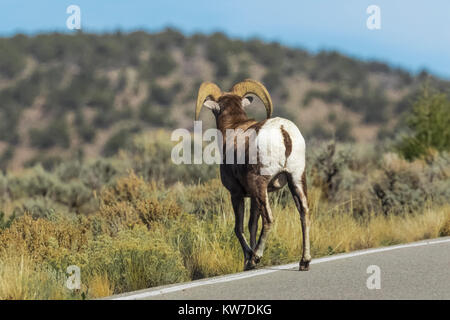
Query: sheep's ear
[[246, 101], [210, 104]]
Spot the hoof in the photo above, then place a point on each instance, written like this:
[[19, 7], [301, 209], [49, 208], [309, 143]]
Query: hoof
[[304, 265], [251, 264]]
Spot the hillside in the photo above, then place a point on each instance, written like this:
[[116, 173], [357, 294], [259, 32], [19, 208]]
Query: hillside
[[83, 95], [86, 178]]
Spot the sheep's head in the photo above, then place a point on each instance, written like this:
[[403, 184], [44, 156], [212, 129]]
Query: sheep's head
[[232, 102]]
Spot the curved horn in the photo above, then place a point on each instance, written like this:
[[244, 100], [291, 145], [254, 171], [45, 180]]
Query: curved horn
[[256, 88], [207, 89]]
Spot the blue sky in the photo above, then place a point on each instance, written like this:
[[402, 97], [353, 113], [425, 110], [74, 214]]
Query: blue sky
[[414, 34]]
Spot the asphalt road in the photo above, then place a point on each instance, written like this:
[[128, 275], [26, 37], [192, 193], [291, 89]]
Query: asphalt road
[[420, 270]]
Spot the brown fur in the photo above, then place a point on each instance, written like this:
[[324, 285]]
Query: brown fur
[[245, 180], [287, 142], [304, 186], [232, 115], [242, 178], [258, 125]]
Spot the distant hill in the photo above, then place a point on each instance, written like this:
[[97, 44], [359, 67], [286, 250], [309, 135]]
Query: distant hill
[[84, 95]]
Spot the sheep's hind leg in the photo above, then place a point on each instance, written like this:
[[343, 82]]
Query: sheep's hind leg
[[238, 207], [299, 193], [253, 229], [262, 203], [253, 223]]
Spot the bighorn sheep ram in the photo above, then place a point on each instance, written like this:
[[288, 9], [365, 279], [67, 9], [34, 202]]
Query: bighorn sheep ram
[[285, 163]]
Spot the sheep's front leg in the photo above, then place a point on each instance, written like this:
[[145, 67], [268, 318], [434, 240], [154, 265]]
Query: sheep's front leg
[[238, 207]]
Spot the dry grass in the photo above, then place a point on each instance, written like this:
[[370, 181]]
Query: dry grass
[[100, 286], [21, 279], [35, 252]]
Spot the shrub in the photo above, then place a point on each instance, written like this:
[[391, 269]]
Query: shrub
[[206, 200], [41, 192], [135, 259], [272, 79], [161, 64], [217, 53], [24, 91], [43, 239], [56, 134], [87, 132], [5, 157], [102, 99], [34, 182], [69, 188], [160, 95], [105, 119], [100, 172], [131, 201], [344, 131], [9, 117], [68, 170], [119, 140], [6, 222], [3, 185], [74, 195], [371, 102], [47, 162], [150, 157], [38, 207], [328, 164], [12, 61], [409, 186], [270, 55], [319, 131], [429, 125], [155, 115], [374, 103]]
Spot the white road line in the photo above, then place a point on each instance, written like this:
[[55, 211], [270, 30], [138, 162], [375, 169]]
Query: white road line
[[255, 273]]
